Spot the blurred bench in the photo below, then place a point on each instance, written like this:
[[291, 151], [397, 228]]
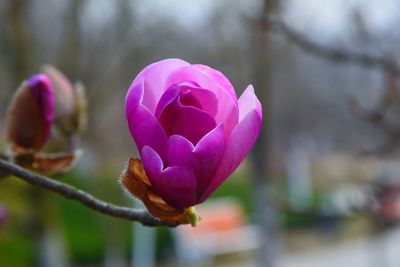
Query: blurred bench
[[223, 230]]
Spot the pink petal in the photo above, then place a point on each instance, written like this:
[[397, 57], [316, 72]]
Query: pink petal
[[228, 112], [200, 98], [176, 185], [203, 159], [187, 121], [248, 101], [189, 96], [134, 97], [42, 90], [167, 98], [152, 162], [144, 127], [187, 99], [243, 137], [207, 157], [179, 151], [219, 78], [154, 77]]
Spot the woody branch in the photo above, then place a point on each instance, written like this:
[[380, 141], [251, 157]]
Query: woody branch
[[330, 53], [83, 197]]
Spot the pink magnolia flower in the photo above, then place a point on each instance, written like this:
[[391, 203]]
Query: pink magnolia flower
[[190, 129]]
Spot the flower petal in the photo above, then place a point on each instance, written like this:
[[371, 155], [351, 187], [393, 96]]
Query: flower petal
[[134, 97], [218, 77], [248, 101], [152, 162], [207, 156], [144, 127], [42, 91], [179, 151], [228, 112], [154, 77], [200, 98], [167, 98], [243, 137], [176, 185], [188, 121]]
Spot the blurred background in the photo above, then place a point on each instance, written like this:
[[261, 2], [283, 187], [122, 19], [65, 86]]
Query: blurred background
[[322, 186]]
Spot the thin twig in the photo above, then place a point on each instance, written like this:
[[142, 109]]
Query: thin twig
[[330, 53], [377, 118], [83, 197], [380, 116]]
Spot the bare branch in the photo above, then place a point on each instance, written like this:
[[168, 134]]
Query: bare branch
[[330, 53], [83, 197], [376, 117], [379, 115]]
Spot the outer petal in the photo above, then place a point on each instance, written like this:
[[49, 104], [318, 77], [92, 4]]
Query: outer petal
[[152, 161], [243, 137], [134, 97], [176, 185], [144, 127], [167, 98], [249, 101], [228, 112], [154, 77], [179, 151], [207, 156], [203, 159], [42, 90], [219, 78]]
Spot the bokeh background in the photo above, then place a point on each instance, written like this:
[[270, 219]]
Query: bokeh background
[[322, 185]]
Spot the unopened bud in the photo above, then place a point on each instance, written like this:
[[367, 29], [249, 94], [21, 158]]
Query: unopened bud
[[31, 114]]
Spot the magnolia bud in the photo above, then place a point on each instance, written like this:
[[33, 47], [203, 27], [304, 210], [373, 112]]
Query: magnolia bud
[[31, 115]]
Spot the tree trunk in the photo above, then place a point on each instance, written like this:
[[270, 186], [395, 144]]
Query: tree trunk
[[267, 215]]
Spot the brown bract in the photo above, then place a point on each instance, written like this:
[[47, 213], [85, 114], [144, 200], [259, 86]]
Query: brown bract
[[56, 163], [26, 129], [47, 163], [137, 183]]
